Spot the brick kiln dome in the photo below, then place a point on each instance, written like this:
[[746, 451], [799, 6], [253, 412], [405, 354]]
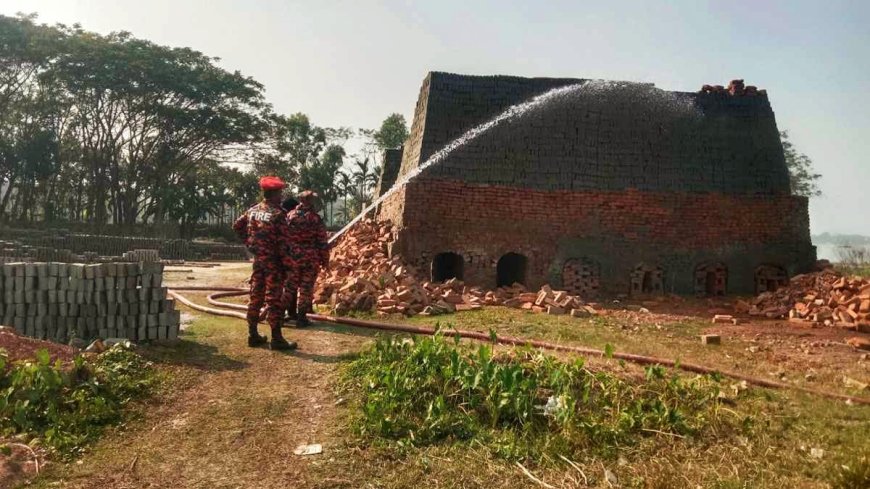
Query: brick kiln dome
[[603, 135], [606, 186]]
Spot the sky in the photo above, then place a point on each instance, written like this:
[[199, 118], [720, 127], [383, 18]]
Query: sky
[[352, 63]]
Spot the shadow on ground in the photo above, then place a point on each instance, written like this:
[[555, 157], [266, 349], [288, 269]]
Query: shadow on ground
[[350, 330], [187, 353]]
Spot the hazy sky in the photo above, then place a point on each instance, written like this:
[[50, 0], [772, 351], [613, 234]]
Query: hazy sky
[[351, 63]]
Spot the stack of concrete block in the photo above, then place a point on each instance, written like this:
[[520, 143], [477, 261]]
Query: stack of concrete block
[[141, 256], [60, 301], [38, 246]]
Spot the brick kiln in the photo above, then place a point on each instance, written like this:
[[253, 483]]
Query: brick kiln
[[618, 188]]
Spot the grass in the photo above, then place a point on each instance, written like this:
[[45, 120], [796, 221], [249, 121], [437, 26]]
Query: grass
[[67, 407], [522, 405], [671, 338], [765, 439], [781, 428], [230, 416]]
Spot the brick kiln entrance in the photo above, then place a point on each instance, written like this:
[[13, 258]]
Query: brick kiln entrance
[[711, 279], [511, 269], [769, 278], [446, 266], [581, 276]]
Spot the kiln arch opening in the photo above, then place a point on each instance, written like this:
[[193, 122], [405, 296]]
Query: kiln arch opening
[[446, 266], [511, 268]]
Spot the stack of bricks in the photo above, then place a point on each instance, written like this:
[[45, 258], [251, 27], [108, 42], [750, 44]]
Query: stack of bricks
[[141, 256], [362, 278], [60, 301], [37, 245]]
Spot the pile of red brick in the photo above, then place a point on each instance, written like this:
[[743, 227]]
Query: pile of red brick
[[824, 297], [735, 88], [361, 277]]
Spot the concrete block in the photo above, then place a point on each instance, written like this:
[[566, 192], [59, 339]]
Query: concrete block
[[711, 339]]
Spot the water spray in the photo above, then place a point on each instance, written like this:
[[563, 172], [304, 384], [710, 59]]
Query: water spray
[[470, 135], [658, 100]]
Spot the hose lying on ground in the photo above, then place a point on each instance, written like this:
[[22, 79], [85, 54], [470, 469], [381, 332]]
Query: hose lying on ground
[[220, 292]]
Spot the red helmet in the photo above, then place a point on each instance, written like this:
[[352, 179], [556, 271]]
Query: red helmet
[[272, 183]]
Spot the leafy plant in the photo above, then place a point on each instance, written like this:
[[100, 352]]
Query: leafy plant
[[426, 391], [68, 406]]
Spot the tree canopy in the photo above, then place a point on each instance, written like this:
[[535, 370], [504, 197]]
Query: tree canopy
[[393, 132], [108, 128], [802, 176]]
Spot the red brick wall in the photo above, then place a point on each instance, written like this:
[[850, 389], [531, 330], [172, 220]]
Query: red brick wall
[[686, 220], [482, 222]]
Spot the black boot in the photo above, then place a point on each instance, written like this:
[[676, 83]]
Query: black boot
[[254, 338], [278, 341], [302, 320]]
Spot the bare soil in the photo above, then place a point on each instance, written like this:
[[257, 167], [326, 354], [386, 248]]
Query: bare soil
[[24, 348]]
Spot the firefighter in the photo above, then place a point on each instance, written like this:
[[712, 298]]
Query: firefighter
[[310, 251], [264, 230], [289, 296]]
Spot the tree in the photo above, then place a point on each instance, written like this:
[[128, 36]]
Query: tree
[[393, 132], [145, 112], [116, 129], [365, 177], [28, 146], [105, 125], [320, 174], [344, 185], [802, 177], [297, 146]]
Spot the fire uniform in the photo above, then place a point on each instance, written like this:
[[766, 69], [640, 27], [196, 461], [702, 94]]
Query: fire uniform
[[265, 232], [309, 249]]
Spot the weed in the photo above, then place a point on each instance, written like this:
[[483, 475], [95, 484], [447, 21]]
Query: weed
[[68, 406], [427, 390], [856, 475]]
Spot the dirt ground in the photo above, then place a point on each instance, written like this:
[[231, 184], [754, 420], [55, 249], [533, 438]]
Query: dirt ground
[[23, 348], [232, 416]]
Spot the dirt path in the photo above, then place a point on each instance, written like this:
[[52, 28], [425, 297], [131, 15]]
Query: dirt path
[[234, 423]]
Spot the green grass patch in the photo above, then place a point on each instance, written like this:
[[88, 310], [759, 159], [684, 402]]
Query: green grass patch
[[65, 407], [523, 405]]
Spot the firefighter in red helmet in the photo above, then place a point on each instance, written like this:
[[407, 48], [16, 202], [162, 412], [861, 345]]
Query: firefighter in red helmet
[[264, 230]]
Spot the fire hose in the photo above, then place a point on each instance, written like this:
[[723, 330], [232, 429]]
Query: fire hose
[[230, 310]]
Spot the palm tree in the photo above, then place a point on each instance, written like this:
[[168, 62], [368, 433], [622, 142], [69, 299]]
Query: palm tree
[[361, 176], [366, 178], [344, 184]]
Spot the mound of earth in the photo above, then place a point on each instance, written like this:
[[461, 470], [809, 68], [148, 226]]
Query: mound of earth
[[19, 347]]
